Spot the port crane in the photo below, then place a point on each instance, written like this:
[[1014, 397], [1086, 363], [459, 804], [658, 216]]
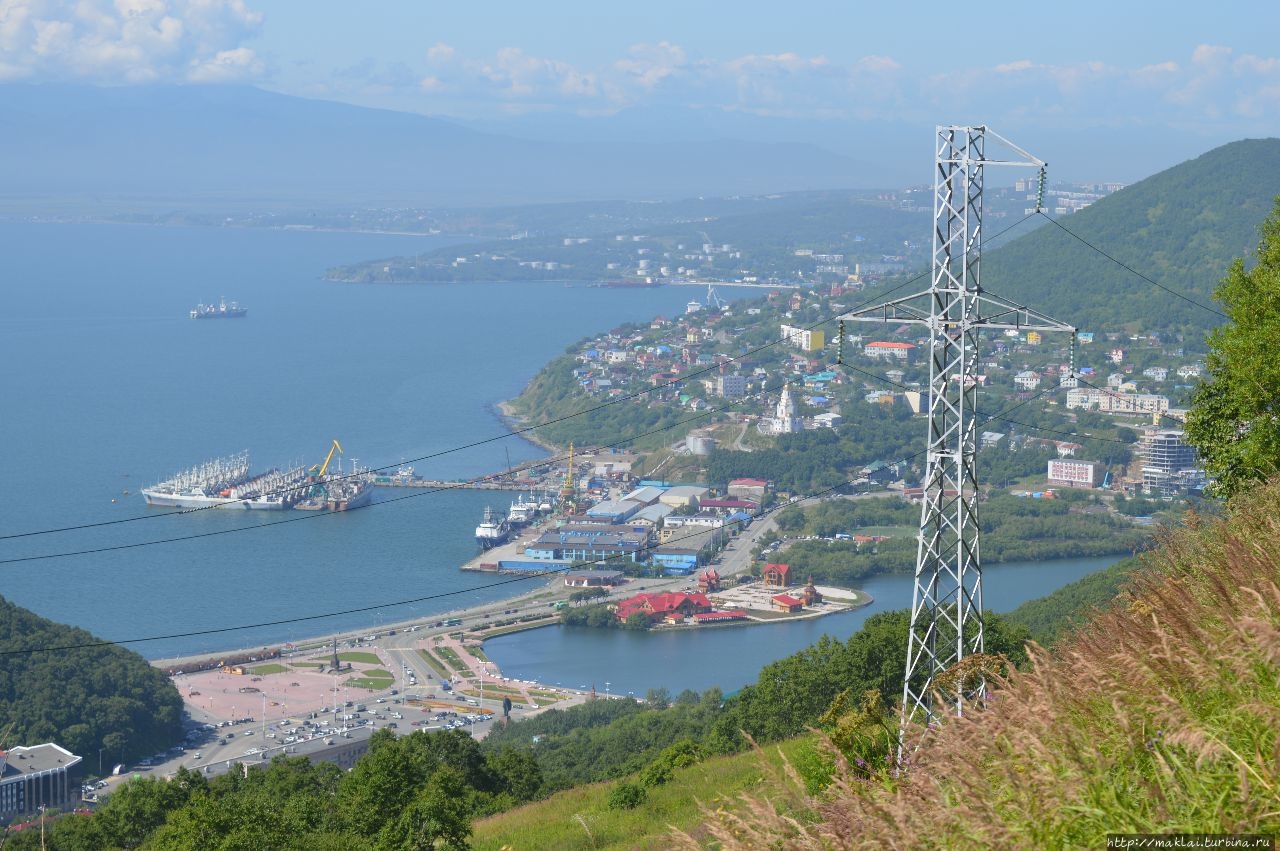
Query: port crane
[[319, 471]]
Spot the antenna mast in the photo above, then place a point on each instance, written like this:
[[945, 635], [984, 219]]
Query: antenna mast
[[946, 606]]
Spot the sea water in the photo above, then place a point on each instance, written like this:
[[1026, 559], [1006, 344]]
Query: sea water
[[108, 386]]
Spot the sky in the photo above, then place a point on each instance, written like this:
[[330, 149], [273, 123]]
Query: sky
[[1150, 73]]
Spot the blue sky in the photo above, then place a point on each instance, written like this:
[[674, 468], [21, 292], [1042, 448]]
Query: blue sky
[[1151, 73]]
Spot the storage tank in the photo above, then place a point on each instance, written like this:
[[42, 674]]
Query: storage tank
[[700, 445]]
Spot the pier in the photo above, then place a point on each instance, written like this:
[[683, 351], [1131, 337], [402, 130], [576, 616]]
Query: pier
[[480, 484]]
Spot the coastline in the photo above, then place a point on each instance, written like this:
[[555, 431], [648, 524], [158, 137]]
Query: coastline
[[518, 425]]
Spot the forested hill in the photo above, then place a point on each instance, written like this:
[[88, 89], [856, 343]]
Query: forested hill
[[1180, 227], [86, 696]]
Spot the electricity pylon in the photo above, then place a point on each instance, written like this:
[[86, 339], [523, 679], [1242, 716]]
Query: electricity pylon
[[946, 605]]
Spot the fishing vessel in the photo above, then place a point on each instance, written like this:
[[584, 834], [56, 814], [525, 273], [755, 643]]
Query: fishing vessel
[[229, 483], [221, 310], [493, 529], [203, 485], [523, 512]]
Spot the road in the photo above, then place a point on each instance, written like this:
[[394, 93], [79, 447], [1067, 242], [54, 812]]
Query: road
[[480, 694]]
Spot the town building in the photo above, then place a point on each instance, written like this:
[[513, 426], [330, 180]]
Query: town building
[[731, 386], [593, 578], [35, 777], [682, 496], [1027, 380], [804, 339], [1111, 402], [752, 489], [889, 351], [1076, 474], [582, 545], [1169, 463]]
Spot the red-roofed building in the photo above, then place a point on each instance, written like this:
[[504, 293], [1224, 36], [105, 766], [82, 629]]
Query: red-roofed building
[[787, 603], [729, 504], [709, 582], [776, 575], [671, 605], [888, 351], [753, 489]]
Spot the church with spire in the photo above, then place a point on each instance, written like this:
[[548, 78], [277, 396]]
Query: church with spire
[[785, 420]]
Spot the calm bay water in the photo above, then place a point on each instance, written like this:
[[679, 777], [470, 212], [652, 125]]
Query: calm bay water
[[732, 656], [108, 386]]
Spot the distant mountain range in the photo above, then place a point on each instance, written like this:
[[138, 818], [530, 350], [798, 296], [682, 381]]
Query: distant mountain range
[[221, 145], [1181, 227]]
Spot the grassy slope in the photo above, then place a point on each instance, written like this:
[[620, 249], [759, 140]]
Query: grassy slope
[[1159, 716], [580, 818]]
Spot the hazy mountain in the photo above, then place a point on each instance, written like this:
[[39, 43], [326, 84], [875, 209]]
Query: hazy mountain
[[1181, 227], [202, 144]]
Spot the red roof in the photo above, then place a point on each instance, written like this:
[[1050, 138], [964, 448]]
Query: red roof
[[659, 605], [749, 483], [890, 345], [778, 568], [787, 600]]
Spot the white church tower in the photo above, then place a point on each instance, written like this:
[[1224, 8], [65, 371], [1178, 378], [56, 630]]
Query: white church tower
[[785, 420]]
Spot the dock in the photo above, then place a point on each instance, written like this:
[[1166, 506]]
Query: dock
[[484, 483]]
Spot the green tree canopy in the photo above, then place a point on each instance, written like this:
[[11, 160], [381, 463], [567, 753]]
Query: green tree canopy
[[1234, 420]]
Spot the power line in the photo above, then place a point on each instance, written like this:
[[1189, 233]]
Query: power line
[[308, 516], [361, 609], [443, 595], [1129, 268], [513, 433]]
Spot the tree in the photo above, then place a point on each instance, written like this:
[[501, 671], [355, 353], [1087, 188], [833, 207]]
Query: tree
[[1234, 420]]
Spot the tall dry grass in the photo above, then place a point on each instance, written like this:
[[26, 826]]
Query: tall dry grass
[[1160, 715]]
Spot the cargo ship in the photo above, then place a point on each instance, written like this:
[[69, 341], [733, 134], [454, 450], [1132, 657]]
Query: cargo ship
[[221, 310], [493, 530]]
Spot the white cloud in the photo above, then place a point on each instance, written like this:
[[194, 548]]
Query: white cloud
[[226, 66], [648, 65], [1014, 67], [128, 40]]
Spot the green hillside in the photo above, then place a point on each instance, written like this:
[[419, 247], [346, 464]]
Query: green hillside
[[85, 696], [1181, 227]]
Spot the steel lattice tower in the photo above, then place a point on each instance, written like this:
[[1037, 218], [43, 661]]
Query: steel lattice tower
[[946, 606]]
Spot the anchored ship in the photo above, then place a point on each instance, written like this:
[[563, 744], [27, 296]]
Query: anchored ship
[[523, 512], [228, 483], [338, 491], [493, 529], [221, 310]]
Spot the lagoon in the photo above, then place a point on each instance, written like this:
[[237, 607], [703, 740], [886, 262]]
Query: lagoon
[[730, 657]]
